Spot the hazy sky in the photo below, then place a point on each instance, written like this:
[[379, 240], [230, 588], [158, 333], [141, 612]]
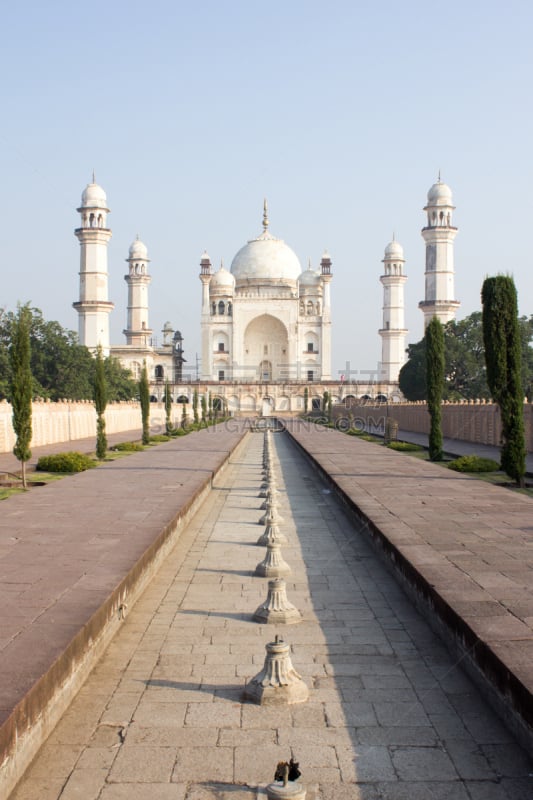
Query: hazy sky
[[340, 113]]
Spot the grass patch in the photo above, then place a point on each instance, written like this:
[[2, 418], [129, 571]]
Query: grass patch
[[473, 464], [405, 447], [128, 447], [159, 437]]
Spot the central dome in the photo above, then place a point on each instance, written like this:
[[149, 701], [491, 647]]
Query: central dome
[[266, 258]]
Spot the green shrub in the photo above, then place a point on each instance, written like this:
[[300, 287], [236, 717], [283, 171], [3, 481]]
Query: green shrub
[[160, 437], [355, 432], [405, 447], [65, 462], [129, 447], [179, 432], [474, 464]]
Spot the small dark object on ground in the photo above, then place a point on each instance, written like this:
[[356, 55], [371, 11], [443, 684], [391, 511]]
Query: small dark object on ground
[[294, 772]]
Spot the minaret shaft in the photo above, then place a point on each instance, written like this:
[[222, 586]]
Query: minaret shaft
[[393, 331], [93, 306], [439, 236]]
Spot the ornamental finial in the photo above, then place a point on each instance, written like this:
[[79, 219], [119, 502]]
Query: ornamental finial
[[94, 179], [265, 216]]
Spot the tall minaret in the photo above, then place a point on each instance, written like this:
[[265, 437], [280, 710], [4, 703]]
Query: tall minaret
[[205, 276], [326, 276], [138, 332], [439, 236], [393, 332], [93, 306]]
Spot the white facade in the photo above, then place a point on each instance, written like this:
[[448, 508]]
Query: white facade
[[265, 320], [93, 306], [439, 236], [393, 332]]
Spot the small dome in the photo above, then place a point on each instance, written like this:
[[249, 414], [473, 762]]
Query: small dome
[[93, 196], [138, 251], [309, 278], [440, 194], [394, 250], [222, 280]]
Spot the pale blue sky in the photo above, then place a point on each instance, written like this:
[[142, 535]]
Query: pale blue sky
[[340, 113]]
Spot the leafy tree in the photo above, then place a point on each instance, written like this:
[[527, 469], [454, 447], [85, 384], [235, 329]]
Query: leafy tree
[[412, 377], [168, 408], [21, 386], [435, 382], [465, 374], [144, 397], [100, 403], [501, 336], [120, 382]]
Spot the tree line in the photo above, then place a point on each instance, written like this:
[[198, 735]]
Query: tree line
[[502, 367], [60, 366], [465, 372]]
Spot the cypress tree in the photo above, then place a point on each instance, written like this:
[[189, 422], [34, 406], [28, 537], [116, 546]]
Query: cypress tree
[[100, 403], [168, 408], [306, 399], [21, 386], [144, 397], [203, 404], [503, 357], [195, 407], [435, 384]]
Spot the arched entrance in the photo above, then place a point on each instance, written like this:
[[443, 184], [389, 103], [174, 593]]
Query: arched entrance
[[266, 349]]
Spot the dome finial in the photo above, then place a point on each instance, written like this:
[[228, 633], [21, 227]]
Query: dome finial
[[94, 178], [265, 216], [438, 179]]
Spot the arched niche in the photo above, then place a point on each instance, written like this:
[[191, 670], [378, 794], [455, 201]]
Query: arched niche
[[266, 339]]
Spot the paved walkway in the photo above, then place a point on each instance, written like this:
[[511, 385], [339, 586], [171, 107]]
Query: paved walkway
[[464, 546], [73, 556], [390, 716]]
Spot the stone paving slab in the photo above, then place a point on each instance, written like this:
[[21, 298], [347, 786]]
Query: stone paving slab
[[464, 545], [73, 556], [390, 715]]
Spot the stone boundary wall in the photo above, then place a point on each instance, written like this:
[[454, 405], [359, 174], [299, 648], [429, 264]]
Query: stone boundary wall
[[475, 421], [67, 421]]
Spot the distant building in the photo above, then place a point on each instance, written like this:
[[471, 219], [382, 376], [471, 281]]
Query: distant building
[[164, 362], [266, 320]]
